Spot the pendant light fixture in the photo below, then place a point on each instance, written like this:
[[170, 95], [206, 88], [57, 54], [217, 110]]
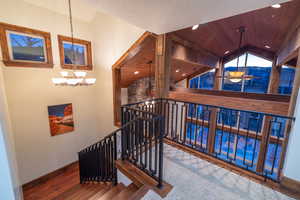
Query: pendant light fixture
[[149, 91], [238, 75], [73, 77]]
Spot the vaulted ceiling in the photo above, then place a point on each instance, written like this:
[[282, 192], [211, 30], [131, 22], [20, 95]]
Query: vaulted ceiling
[[264, 27]]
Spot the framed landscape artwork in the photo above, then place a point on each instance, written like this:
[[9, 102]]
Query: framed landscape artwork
[[61, 119]]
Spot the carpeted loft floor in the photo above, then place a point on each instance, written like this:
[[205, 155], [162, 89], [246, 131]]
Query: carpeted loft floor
[[196, 179]]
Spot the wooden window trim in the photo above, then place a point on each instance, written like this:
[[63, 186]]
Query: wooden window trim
[[5, 48], [86, 43]]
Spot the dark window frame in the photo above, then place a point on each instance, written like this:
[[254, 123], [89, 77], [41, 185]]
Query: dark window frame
[[6, 55], [87, 44]]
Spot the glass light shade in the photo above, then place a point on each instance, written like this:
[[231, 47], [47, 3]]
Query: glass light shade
[[147, 103], [64, 73], [72, 81], [152, 102], [90, 80], [235, 80], [59, 80], [80, 74], [236, 74]]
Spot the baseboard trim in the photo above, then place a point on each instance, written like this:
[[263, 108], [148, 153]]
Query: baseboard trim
[[290, 184], [48, 176]]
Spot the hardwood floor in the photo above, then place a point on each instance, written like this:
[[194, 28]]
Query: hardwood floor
[[66, 186]]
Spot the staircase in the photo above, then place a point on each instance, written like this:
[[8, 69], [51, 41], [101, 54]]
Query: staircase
[[103, 191], [140, 145]]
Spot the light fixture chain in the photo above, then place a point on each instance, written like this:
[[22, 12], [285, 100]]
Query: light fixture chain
[[72, 31]]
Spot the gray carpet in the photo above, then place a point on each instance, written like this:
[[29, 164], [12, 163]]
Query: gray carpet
[[198, 179]]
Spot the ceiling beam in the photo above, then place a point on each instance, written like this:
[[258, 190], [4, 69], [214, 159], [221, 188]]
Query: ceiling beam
[[291, 43], [186, 50], [269, 55]]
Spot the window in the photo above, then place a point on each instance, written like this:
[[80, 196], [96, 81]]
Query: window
[[287, 76], [203, 81], [252, 65], [81, 57], [25, 47]]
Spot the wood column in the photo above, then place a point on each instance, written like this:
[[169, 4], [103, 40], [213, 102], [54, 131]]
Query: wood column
[[162, 66], [273, 89], [116, 75], [214, 111]]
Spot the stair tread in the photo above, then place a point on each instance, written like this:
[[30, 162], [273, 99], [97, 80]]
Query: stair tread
[[80, 191], [100, 193], [140, 178], [112, 192], [127, 192]]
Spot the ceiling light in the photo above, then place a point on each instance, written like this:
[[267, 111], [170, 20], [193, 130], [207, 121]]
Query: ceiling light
[[226, 52], [276, 6], [183, 74], [195, 27], [177, 70], [80, 74], [64, 73], [136, 72], [267, 46]]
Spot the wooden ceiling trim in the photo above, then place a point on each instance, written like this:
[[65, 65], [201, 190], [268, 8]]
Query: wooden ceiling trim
[[133, 50], [267, 26], [291, 46], [186, 69], [269, 55]]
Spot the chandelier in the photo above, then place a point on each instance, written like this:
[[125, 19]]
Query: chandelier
[[238, 75], [73, 77]]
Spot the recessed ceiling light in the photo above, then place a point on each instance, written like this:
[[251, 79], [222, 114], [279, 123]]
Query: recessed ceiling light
[[177, 70], [226, 52], [195, 27], [276, 5], [267, 46], [136, 72], [183, 74]]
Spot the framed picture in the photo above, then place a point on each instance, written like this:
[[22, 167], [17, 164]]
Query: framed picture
[[79, 55], [25, 47], [61, 119]]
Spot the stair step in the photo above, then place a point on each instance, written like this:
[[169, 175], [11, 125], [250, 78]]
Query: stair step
[[101, 193], [140, 178], [109, 195], [80, 191], [127, 192], [140, 193]]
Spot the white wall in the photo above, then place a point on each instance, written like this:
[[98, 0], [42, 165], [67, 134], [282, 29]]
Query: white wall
[[292, 162], [112, 37], [30, 91], [9, 182]]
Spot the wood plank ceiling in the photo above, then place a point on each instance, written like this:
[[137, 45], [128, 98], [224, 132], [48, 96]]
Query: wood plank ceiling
[[264, 27], [267, 26]]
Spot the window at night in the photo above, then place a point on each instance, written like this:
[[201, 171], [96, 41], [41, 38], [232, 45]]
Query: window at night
[[287, 76], [203, 81], [252, 65]]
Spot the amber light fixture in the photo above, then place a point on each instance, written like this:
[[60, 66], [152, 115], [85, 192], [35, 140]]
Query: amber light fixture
[[238, 75], [73, 77]]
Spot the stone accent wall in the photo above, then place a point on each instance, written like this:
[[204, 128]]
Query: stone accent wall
[[137, 91]]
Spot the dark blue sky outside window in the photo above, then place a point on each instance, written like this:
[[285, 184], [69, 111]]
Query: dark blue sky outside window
[[287, 76], [28, 48], [204, 81]]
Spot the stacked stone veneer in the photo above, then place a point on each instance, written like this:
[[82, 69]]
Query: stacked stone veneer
[[137, 91]]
